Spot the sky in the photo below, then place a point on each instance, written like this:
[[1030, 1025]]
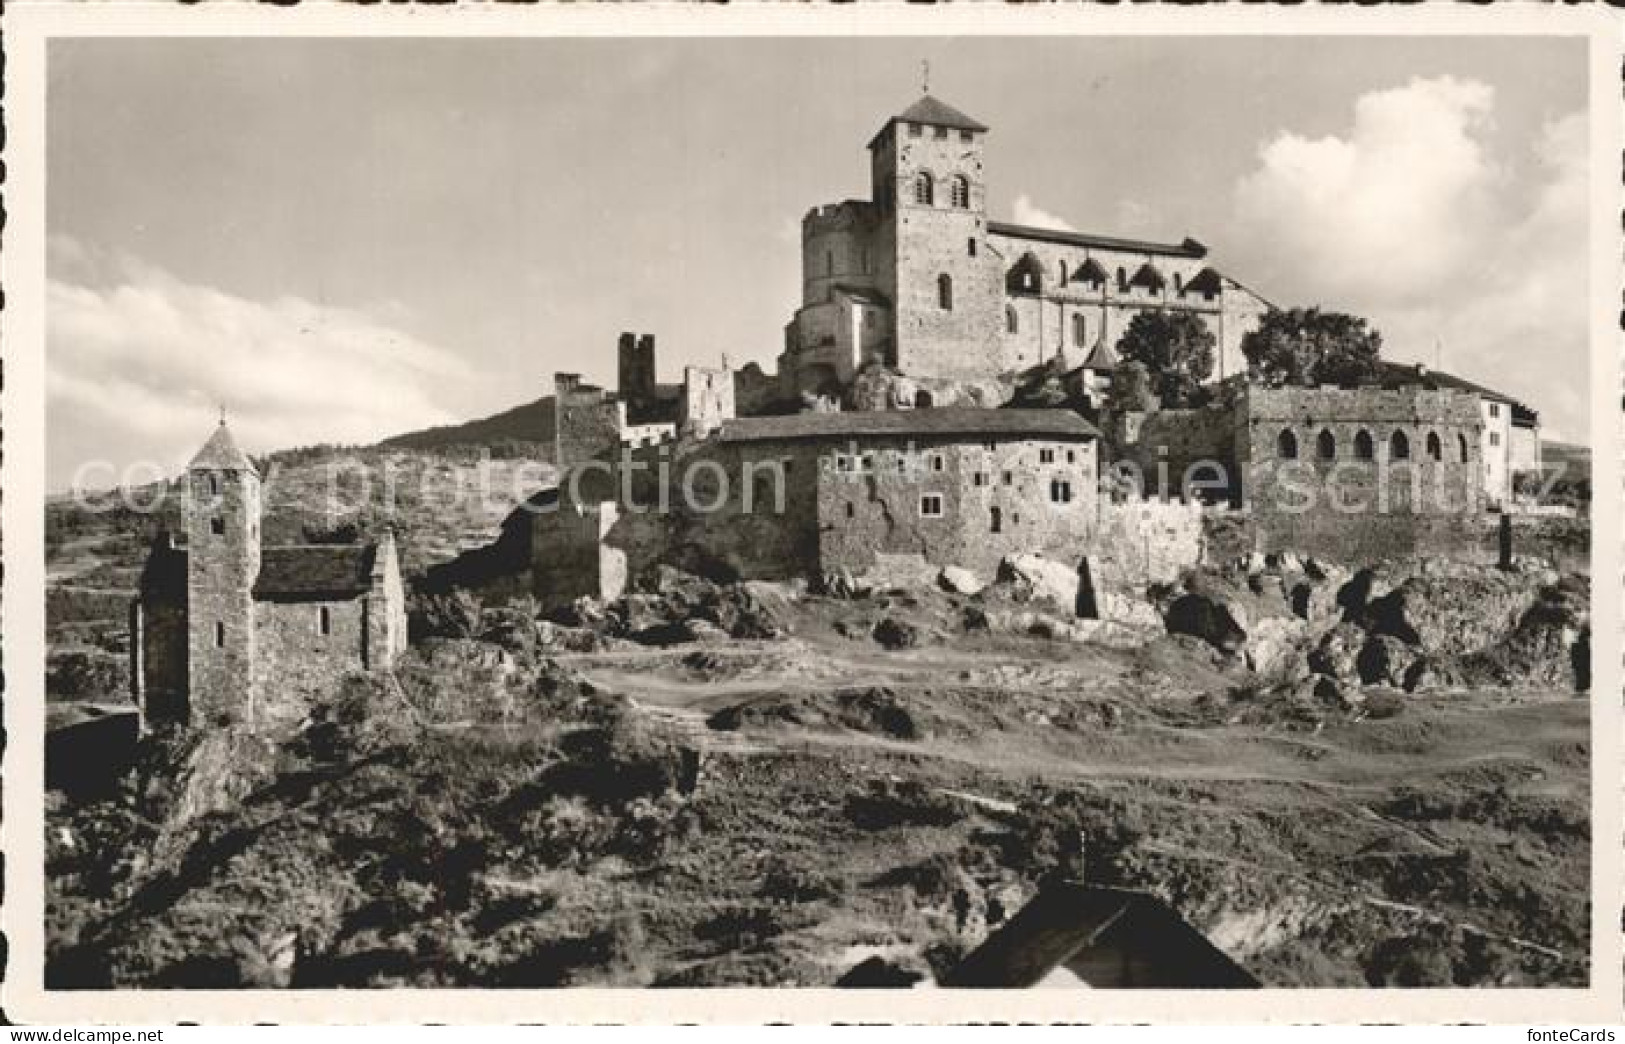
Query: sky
[[340, 240]]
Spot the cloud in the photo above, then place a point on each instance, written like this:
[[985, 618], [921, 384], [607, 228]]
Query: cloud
[[1412, 218], [138, 362], [1026, 212]]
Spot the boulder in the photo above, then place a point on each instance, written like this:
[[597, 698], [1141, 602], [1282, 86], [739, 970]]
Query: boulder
[[1338, 653], [1218, 620], [893, 633], [959, 581], [1040, 578], [1313, 600], [1455, 614], [1385, 660], [1126, 610], [1274, 643]]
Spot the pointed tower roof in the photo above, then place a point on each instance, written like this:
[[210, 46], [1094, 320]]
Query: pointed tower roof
[[1101, 357], [220, 453], [929, 110]]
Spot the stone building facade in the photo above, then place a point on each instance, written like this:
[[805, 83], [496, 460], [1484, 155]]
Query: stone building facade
[[226, 630], [811, 494], [916, 277], [1347, 473]]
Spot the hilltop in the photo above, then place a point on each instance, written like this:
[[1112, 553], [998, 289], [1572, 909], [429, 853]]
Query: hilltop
[[528, 427]]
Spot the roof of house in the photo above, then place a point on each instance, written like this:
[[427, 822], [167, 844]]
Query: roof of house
[[936, 113], [315, 571], [220, 453], [1188, 248], [1060, 424], [1066, 921], [1407, 374]]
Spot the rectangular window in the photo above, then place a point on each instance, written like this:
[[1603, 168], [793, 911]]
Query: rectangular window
[[942, 133], [217, 526], [980, 479], [1071, 457], [936, 462], [931, 505], [219, 635], [970, 245], [1060, 491], [867, 464], [1046, 456], [324, 621], [914, 130], [964, 135], [1495, 409], [1008, 478], [1495, 438], [843, 463]]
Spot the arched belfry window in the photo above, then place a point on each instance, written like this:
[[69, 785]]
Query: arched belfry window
[[1435, 451], [945, 292], [1012, 324], [219, 635], [1080, 329], [923, 187], [1063, 274], [1461, 442], [1399, 447], [1326, 446], [1363, 447], [214, 484], [1286, 445], [1122, 279], [959, 192]]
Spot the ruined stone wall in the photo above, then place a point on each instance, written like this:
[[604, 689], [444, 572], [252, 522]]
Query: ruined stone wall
[[635, 367], [385, 609], [159, 641], [708, 400], [569, 556], [221, 569], [838, 248], [1144, 542], [1351, 509], [295, 663], [1165, 444], [997, 499], [588, 421]]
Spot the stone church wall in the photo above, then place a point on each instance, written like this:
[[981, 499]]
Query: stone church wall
[[295, 663]]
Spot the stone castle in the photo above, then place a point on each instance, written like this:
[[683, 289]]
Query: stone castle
[[890, 414], [227, 630], [887, 443]]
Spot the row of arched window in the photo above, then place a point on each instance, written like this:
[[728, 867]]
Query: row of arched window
[[925, 190], [1399, 446]]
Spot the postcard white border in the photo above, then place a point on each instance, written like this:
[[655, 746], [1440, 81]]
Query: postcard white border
[[28, 26]]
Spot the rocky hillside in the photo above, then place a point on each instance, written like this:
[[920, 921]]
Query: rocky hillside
[[758, 785]]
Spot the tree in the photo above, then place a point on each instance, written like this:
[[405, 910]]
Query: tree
[[1176, 349], [1307, 346], [1130, 391]]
